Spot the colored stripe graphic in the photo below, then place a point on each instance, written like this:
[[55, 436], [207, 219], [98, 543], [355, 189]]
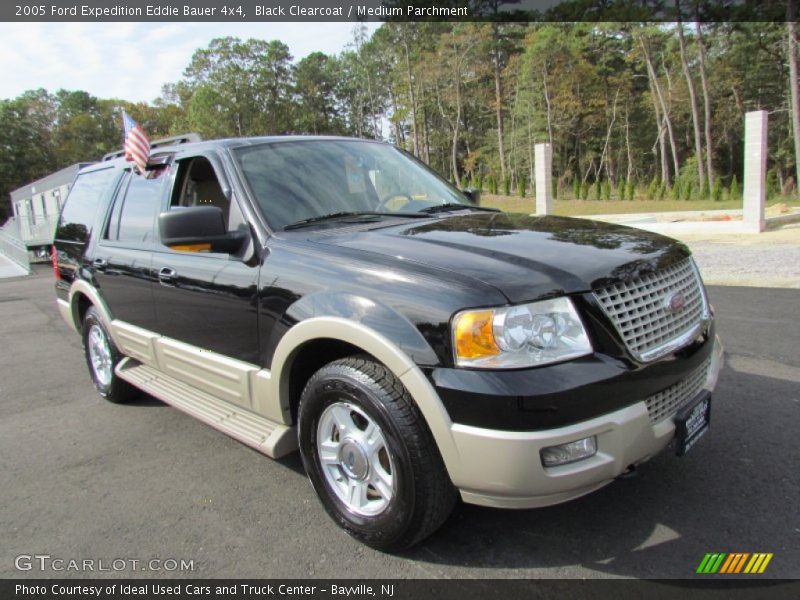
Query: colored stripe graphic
[[762, 563], [728, 562], [738, 563], [703, 563], [734, 562], [711, 562]]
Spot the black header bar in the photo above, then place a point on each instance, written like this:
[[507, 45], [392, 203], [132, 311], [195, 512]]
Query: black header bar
[[393, 10]]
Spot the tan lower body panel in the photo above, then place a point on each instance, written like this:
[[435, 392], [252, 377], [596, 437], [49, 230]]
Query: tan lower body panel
[[270, 438], [505, 469]]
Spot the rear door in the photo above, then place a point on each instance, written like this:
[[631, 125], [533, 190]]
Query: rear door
[[122, 258]]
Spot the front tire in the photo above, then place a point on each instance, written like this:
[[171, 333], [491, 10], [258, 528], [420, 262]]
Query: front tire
[[102, 357], [370, 455]]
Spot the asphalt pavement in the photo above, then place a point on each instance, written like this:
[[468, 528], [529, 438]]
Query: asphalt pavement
[[81, 478]]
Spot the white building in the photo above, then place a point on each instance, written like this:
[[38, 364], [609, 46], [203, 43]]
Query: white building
[[36, 207]]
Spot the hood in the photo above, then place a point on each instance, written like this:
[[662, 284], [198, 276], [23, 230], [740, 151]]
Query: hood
[[525, 257]]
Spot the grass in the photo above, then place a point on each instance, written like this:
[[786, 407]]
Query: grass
[[599, 207]]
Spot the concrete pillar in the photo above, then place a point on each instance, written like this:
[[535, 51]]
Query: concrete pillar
[[755, 170], [543, 171]]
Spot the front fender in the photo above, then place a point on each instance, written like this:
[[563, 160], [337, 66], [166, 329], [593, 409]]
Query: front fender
[[374, 315], [382, 349]]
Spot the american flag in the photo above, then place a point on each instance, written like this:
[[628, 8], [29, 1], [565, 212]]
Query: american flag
[[136, 142]]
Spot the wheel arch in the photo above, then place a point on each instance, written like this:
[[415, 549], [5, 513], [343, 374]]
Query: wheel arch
[[82, 295], [361, 339]]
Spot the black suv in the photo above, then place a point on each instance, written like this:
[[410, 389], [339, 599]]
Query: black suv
[[338, 296]]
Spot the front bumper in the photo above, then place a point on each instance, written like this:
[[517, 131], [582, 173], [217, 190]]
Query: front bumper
[[503, 468]]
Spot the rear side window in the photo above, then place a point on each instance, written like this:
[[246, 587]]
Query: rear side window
[[80, 210]]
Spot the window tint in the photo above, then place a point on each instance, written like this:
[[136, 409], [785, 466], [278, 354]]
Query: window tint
[[138, 216], [81, 205], [298, 180], [112, 230]]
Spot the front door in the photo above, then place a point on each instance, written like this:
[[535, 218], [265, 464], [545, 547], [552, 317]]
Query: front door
[[204, 299]]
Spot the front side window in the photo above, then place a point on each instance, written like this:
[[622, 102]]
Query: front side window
[[198, 185], [297, 180]]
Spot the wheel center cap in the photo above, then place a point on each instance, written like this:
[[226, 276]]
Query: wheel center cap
[[353, 460]]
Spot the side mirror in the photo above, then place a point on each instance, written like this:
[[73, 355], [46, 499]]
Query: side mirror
[[473, 195], [198, 228]]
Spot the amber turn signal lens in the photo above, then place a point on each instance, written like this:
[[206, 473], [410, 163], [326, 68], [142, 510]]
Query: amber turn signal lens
[[473, 335]]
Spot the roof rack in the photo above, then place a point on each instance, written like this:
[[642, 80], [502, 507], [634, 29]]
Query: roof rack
[[184, 138]]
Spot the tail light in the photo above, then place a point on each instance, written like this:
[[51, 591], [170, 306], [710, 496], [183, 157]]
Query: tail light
[[54, 260]]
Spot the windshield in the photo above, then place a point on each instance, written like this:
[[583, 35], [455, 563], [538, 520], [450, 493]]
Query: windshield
[[299, 180]]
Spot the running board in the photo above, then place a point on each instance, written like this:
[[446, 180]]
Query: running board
[[270, 438]]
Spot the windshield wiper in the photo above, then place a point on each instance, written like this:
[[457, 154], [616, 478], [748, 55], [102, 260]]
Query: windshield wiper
[[349, 213], [452, 206]]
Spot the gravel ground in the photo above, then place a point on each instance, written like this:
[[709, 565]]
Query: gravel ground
[[770, 259]]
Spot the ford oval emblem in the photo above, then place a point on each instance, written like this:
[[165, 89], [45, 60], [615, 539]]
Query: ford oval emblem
[[675, 302]]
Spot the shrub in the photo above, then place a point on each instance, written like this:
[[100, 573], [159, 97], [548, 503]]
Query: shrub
[[631, 189], [606, 190], [675, 193], [479, 182], [772, 184], [521, 186], [507, 185], [688, 178], [576, 188], [584, 190], [621, 189], [705, 193], [736, 193], [464, 182], [555, 189], [598, 191], [654, 189], [716, 193]]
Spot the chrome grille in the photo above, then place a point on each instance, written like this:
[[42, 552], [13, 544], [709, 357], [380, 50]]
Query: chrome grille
[[667, 402], [639, 308]]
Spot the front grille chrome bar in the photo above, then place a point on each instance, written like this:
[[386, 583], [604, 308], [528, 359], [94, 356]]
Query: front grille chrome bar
[[658, 313]]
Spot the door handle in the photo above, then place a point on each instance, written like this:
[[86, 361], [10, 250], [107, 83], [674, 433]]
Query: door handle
[[100, 264], [167, 274]]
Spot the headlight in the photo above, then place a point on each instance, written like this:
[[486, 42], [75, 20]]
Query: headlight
[[519, 336]]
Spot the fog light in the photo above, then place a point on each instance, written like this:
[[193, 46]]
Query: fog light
[[563, 454]]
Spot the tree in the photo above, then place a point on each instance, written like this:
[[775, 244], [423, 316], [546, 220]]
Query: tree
[[701, 50], [239, 88], [26, 148], [698, 140], [315, 93]]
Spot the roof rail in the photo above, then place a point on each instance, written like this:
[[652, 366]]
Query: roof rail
[[184, 138]]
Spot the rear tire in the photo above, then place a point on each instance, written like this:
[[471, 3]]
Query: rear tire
[[370, 455], [102, 357]]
